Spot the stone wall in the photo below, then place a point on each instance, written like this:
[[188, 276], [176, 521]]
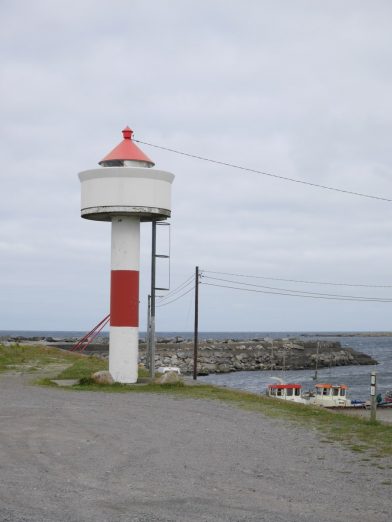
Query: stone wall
[[230, 356]]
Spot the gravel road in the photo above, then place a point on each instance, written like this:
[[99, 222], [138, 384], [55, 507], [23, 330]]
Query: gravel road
[[82, 457]]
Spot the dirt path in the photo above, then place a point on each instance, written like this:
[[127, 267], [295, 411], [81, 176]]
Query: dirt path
[[67, 456]]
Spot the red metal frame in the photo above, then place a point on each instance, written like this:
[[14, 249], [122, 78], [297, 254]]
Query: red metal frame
[[82, 344]]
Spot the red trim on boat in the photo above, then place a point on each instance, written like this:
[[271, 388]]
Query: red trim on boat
[[284, 386]]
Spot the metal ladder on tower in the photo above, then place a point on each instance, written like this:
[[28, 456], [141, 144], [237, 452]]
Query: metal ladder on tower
[[154, 288]]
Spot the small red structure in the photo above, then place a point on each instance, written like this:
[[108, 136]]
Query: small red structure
[[124, 152]]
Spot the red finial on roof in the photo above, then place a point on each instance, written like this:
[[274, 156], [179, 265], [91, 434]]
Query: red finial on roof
[[126, 151], [127, 133]]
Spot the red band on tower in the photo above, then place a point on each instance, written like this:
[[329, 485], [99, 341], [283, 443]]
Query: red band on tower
[[124, 298]]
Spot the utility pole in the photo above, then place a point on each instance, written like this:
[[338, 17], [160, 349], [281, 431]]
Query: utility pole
[[196, 331], [373, 390], [152, 322], [148, 332], [317, 358]]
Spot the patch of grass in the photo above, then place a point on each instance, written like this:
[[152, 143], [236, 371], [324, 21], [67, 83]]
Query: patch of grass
[[86, 381], [148, 387], [16, 357], [83, 368], [46, 382], [359, 448]]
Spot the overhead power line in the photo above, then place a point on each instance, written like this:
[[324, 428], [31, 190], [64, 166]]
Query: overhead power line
[[177, 298], [180, 287], [297, 295], [297, 280], [301, 292], [188, 286], [263, 173]]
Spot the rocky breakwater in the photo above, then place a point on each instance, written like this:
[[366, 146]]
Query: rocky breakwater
[[258, 354]]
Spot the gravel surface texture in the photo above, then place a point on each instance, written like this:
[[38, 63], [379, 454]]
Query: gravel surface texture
[[68, 456]]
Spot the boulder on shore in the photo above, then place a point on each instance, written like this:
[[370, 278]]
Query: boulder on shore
[[169, 378], [103, 377]]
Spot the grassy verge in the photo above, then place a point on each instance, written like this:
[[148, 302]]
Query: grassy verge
[[20, 358], [358, 434], [83, 368]]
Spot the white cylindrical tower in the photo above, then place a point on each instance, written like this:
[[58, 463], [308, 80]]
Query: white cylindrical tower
[[124, 299], [126, 191]]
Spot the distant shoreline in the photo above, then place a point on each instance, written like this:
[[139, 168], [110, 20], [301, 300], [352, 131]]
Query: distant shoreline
[[218, 335], [349, 334]]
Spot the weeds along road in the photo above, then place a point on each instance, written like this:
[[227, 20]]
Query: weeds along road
[[85, 456]]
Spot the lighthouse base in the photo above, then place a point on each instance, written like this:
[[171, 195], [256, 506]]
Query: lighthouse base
[[124, 354]]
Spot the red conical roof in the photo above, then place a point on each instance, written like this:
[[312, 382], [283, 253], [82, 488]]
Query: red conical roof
[[127, 151]]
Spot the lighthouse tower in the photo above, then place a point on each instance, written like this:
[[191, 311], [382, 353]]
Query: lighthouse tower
[[125, 190]]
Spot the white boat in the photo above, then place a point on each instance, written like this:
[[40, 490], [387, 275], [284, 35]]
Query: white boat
[[286, 391], [330, 396]]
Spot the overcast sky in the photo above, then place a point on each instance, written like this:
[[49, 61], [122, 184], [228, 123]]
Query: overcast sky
[[298, 88]]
